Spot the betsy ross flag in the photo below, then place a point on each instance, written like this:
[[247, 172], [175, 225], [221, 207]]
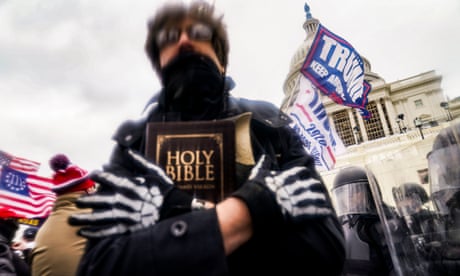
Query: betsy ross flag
[[18, 163], [25, 195], [332, 67]]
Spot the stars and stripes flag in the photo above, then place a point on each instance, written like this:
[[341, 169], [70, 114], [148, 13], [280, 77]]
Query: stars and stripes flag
[[332, 67], [18, 163], [25, 195]]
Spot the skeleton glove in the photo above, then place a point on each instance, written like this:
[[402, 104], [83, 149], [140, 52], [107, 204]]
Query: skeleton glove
[[291, 194], [124, 204], [299, 198]]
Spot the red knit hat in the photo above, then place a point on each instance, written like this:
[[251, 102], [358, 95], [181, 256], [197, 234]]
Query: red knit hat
[[68, 177]]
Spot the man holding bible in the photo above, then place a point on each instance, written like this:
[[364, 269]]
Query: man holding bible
[[279, 218]]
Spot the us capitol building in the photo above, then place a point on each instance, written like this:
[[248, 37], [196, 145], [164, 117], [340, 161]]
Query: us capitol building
[[406, 117]]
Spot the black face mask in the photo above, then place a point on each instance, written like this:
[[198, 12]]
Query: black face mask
[[193, 88]]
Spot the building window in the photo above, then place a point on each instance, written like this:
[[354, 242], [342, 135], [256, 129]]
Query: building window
[[418, 103], [349, 131], [343, 127], [374, 127]]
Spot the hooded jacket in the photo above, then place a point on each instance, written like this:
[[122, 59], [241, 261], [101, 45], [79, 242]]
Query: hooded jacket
[[191, 243]]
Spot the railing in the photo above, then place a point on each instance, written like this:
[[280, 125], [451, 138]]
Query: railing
[[409, 136]]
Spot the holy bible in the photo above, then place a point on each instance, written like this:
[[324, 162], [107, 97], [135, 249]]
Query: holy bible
[[200, 156]]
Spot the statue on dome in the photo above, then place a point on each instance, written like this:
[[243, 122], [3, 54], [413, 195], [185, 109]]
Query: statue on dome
[[307, 11]]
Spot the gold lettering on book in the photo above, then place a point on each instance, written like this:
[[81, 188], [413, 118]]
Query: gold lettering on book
[[201, 156], [190, 165]]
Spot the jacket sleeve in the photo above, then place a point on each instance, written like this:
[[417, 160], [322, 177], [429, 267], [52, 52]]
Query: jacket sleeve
[[6, 258], [188, 244]]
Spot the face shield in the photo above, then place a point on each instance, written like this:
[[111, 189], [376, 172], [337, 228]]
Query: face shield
[[352, 199], [408, 206], [409, 199]]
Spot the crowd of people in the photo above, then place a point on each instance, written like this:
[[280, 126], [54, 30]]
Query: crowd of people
[[130, 219]]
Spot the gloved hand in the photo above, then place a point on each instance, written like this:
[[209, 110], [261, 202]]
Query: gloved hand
[[299, 198], [124, 203], [292, 193]]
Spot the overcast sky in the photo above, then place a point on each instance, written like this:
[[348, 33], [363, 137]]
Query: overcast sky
[[71, 71]]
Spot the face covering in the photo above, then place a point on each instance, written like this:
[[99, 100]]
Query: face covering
[[193, 88]]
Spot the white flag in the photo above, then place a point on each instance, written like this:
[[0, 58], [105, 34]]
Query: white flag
[[311, 122]]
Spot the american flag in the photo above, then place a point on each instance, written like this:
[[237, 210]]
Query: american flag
[[18, 163], [25, 195]]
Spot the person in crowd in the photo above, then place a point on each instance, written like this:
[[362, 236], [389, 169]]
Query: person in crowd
[[423, 225], [367, 250], [279, 220], [58, 248], [11, 264], [24, 246], [444, 174]]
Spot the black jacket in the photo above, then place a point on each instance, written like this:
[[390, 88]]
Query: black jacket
[[191, 243], [10, 262]]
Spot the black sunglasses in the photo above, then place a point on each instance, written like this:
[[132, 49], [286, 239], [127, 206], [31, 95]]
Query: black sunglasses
[[196, 31]]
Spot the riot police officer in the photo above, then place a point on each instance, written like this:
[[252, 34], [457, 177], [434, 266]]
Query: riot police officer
[[444, 173], [422, 226], [366, 249], [410, 198]]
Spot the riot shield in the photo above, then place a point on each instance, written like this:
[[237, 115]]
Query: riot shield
[[410, 224], [444, 172]]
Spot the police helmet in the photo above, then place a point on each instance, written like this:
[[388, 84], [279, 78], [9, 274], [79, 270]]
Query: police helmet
[[409, 198], [410, 190], [352, 192]]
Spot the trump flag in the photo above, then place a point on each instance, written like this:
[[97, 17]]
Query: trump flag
[[333, 68], [337, 70], [25, 195]]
